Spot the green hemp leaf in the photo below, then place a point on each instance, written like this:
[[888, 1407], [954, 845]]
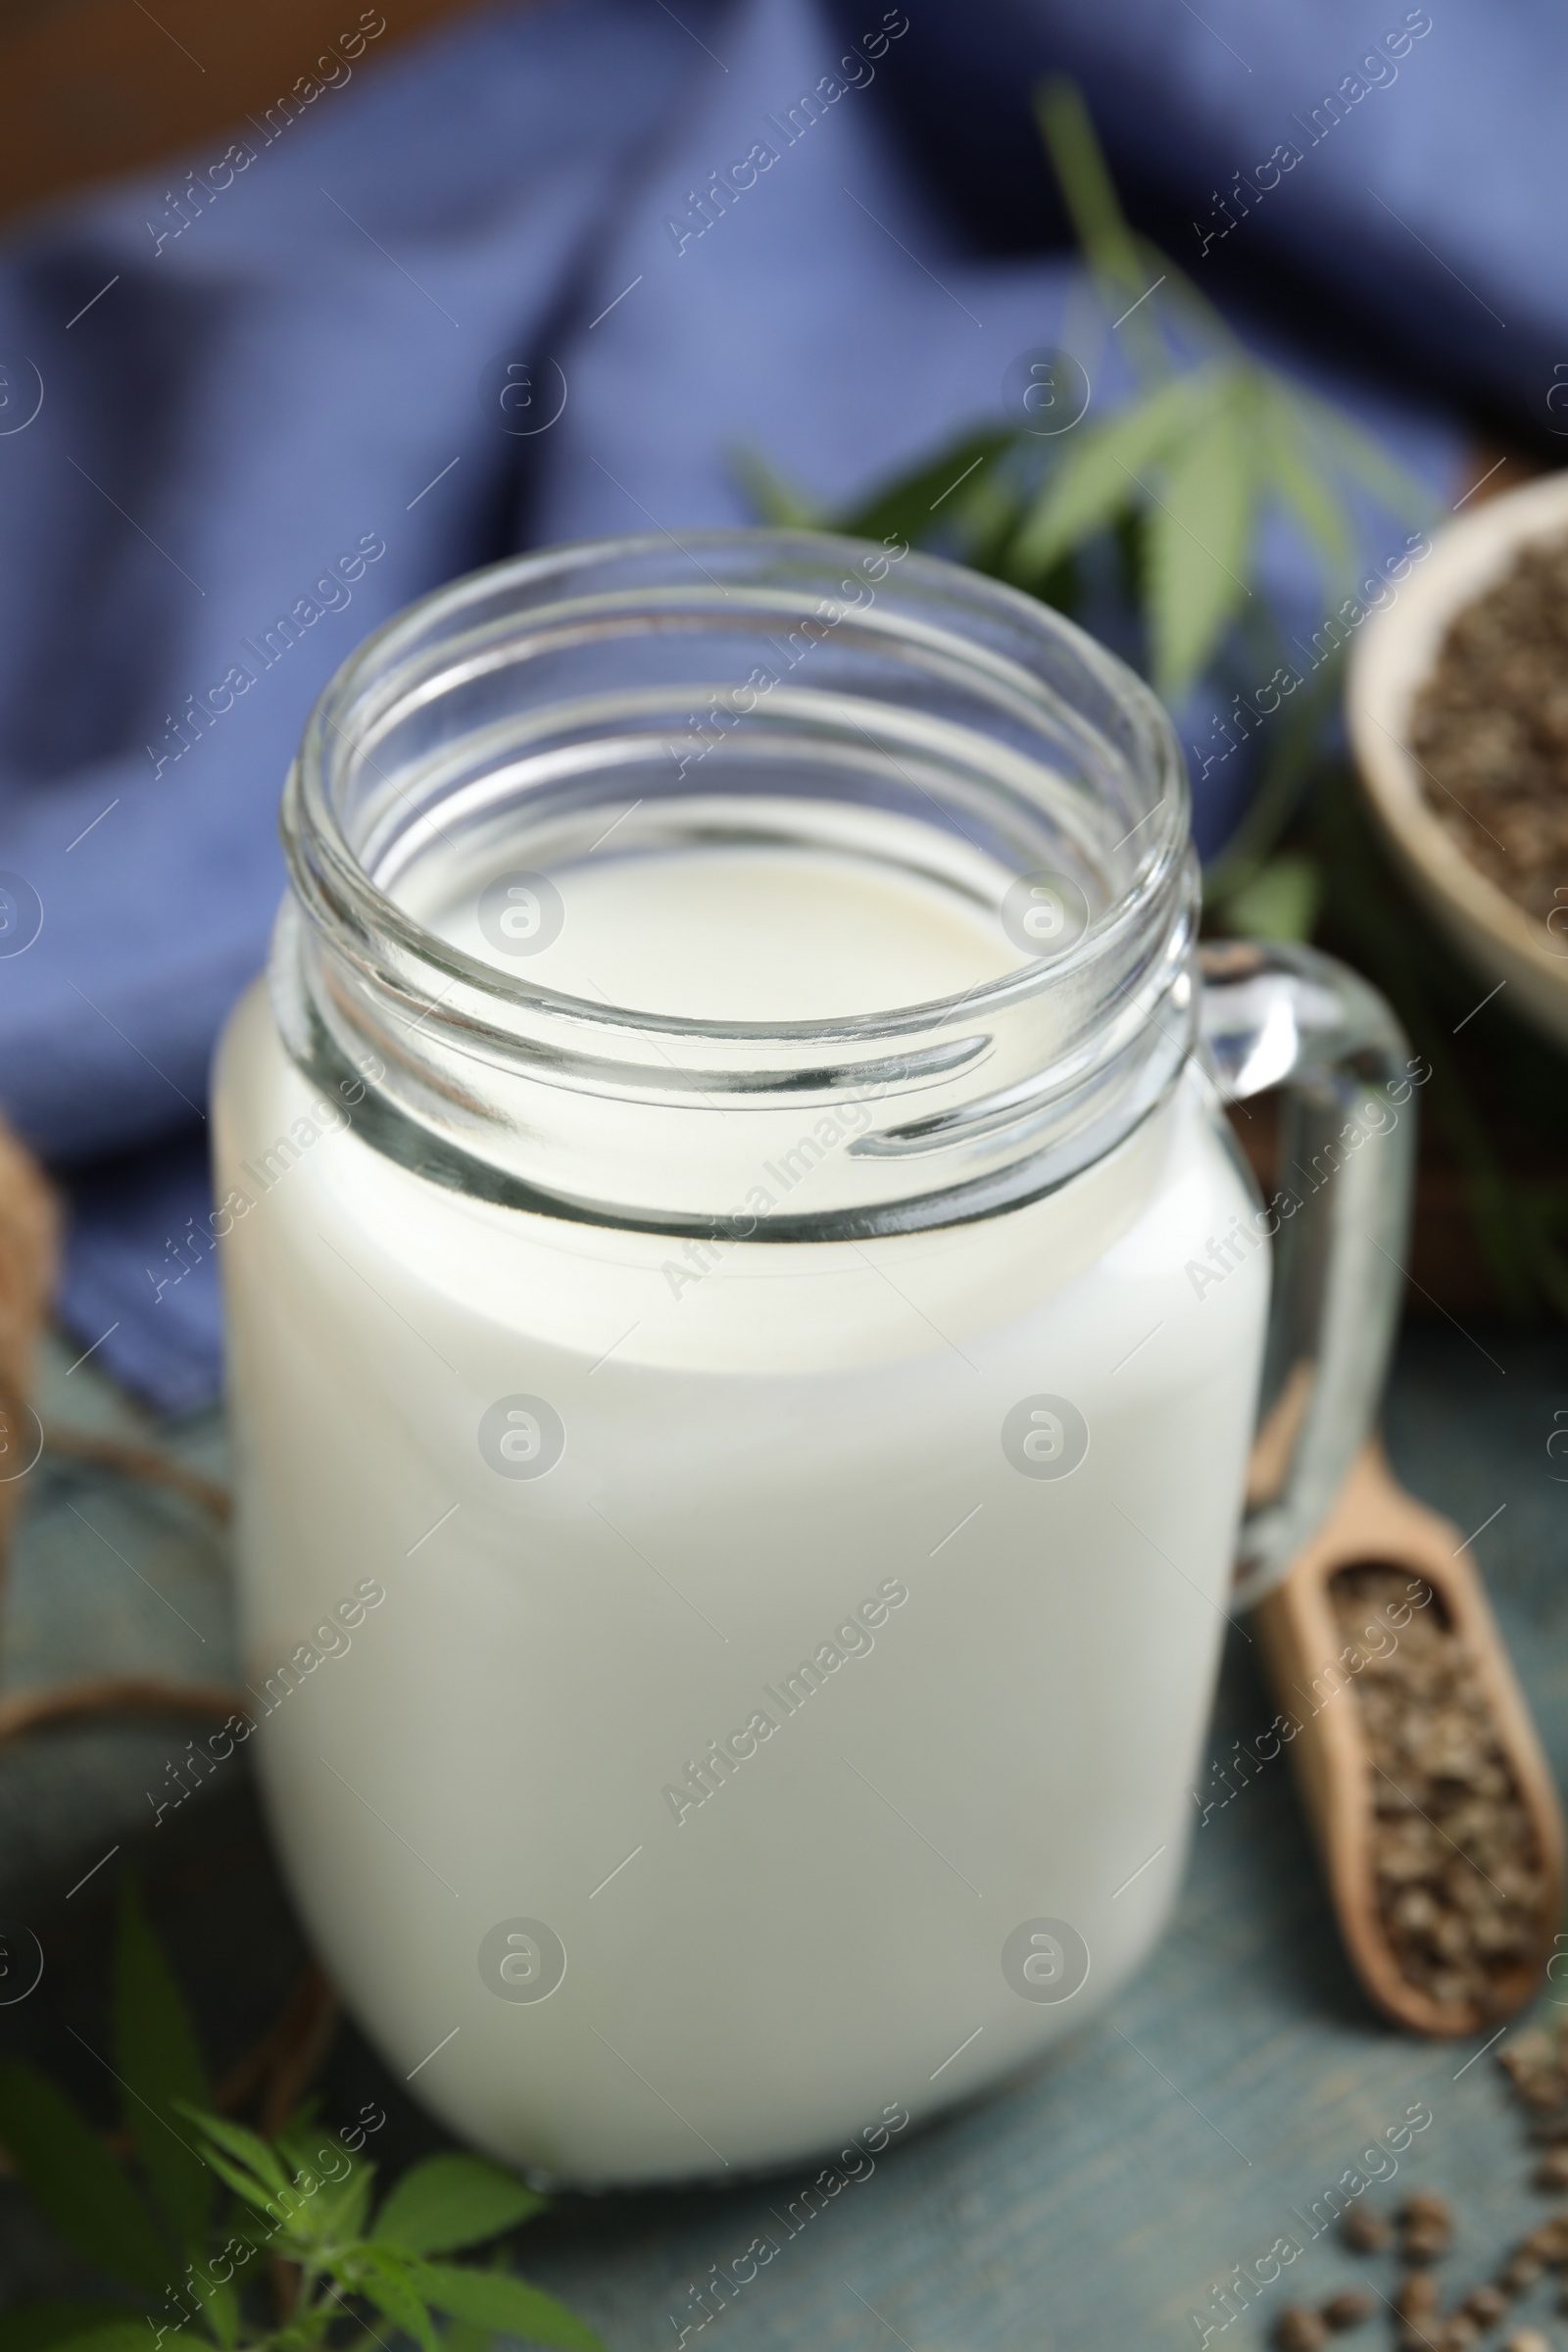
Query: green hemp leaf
[[1179, 485], [216, 2234]]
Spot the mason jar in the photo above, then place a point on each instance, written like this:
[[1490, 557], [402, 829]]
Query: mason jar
[[747, 1328]]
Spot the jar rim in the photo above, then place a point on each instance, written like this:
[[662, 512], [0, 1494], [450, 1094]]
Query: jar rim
[[337, 890], [517, 701]]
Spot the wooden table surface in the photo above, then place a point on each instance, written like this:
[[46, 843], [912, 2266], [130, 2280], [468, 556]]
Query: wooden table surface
[[1096, 2201]]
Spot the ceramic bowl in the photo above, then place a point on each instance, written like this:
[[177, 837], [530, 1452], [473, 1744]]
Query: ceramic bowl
[[1392, 657]]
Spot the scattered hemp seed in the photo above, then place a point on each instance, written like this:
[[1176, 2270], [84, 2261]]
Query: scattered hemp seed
[[1534, 2063], [1424, 2244], [1416, 2297], [1298, 2329], [1364, 2229], [1426, 2227], [1549, 2243], [1489, 729]]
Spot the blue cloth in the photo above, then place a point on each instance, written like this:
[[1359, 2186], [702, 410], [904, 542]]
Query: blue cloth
[[1421, 216], [270, 392]]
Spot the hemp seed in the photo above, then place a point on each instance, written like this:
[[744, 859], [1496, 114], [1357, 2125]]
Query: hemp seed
[[1549, 2243], [1364, 2229], [1490, 728], [1416, 2297], [1426, 2227], [1458, 1879]]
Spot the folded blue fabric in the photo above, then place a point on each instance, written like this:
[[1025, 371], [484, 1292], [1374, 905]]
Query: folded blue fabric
[[269, 420], [1390, 165]]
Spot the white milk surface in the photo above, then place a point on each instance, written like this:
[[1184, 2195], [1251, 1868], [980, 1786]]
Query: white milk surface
[[795, 1458], [750, 934]]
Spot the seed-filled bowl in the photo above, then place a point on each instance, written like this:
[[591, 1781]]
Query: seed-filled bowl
[[1516, 934]]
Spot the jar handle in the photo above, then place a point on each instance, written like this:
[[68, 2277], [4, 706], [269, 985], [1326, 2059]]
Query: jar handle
[[1278, 1015]]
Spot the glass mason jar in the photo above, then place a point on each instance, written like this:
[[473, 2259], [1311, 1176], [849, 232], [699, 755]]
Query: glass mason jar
[[747, 1328]]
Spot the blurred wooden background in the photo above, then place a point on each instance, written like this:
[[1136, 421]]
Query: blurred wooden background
[[90, 88]]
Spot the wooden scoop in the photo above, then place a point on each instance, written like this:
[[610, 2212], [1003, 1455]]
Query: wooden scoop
[[1376, 1524], [30, 1236]]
